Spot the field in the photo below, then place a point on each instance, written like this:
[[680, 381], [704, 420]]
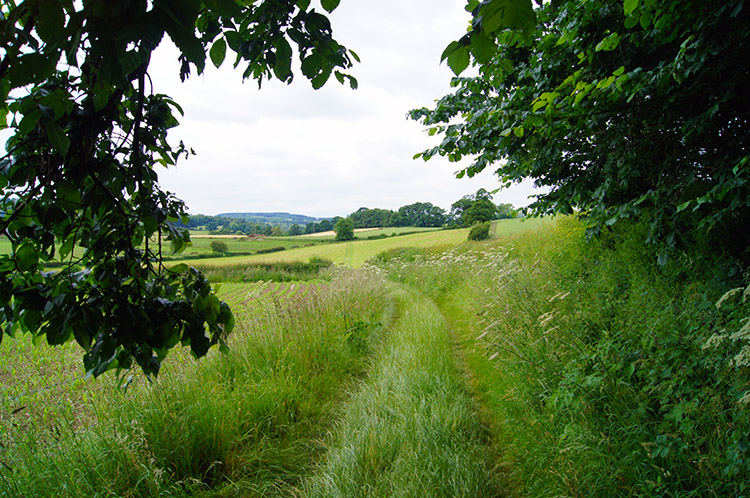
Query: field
[[366, 233], [538, 364], [355, 253]]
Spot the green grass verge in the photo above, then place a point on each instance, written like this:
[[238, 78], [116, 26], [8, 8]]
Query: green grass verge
[[411, 430]]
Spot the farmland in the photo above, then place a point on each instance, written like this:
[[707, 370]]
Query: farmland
[[438, 368]]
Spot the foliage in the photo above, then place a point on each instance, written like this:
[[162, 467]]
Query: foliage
[[88, 130], [344, 229], [371, 218], [219, 246], [608, 374], [615, 108], [480, 231], [419, 214]]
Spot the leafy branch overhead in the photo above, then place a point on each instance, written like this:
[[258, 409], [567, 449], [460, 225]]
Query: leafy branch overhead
[[79, 187], [617, 109]]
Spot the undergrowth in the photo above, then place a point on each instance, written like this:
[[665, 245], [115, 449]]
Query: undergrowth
[[244, 423], [606, 374]]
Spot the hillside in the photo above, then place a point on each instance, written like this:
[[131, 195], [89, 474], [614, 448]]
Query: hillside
[[273, 218]]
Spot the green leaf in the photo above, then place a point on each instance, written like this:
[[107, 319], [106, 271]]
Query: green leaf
[[29, 121], [497, 15], [58, 138], [459, 60], [283, 66], [27, 256], [482, 47], [218, 52], [330, 5], [518, 131], [609, 43], [49, 21], [452, 47], [629, 6], [312, 64]]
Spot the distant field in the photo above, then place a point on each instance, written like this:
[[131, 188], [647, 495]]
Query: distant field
[[355, 253], [302, 248], [201, 245], [366, 233]]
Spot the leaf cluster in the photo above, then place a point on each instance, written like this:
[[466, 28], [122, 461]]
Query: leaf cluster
[[88, 130], [613, 108]]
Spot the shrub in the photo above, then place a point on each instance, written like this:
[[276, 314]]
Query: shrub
[[480, 231], [219, 247]]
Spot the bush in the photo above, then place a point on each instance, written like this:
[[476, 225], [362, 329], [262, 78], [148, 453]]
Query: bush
[[270, 250], [480, 231], [218, 246]]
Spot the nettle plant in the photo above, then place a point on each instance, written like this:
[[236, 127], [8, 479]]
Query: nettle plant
[[79, 184]]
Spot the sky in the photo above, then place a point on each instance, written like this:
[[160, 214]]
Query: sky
[[327, 152]]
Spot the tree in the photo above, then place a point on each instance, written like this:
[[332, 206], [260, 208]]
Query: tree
[[420, 214], [325, 226], [476, 208], [88, 130], [481, 210], [505, 211], [295, 230], [344, 229], [618, 109]]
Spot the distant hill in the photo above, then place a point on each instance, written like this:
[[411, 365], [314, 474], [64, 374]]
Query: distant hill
[[273, 218]]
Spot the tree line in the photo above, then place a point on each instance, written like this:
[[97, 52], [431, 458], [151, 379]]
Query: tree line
[[465, 212]]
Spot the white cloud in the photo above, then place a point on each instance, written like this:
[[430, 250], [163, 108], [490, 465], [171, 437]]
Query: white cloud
[[326, 152]]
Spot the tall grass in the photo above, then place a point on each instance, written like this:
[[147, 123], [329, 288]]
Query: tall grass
[[605, 374], [411, 431], [244, 422]]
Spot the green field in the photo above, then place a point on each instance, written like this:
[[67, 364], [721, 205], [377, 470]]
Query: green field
[[355, 253]]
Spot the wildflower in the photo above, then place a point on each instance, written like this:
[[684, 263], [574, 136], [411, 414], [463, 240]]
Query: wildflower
[[729, 295]]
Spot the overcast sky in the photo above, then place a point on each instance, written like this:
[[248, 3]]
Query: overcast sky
[[331, 151]]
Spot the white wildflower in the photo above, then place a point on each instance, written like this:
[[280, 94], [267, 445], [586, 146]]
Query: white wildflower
[[742, 359], [559, 295], [729, 295], [715, 340], [744, 332], [545, 318]]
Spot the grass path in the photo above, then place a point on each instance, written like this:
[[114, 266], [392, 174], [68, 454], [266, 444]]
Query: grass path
[[412, 429]]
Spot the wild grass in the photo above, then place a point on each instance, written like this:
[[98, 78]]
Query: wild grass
[[245, 422], [602, 372], [411, 430], [282, 271]]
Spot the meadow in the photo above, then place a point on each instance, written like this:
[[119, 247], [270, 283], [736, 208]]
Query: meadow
[[540, 363]]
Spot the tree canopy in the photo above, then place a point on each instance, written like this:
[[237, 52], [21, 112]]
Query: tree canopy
[[344, 229], [616, 108], [79, 184]]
